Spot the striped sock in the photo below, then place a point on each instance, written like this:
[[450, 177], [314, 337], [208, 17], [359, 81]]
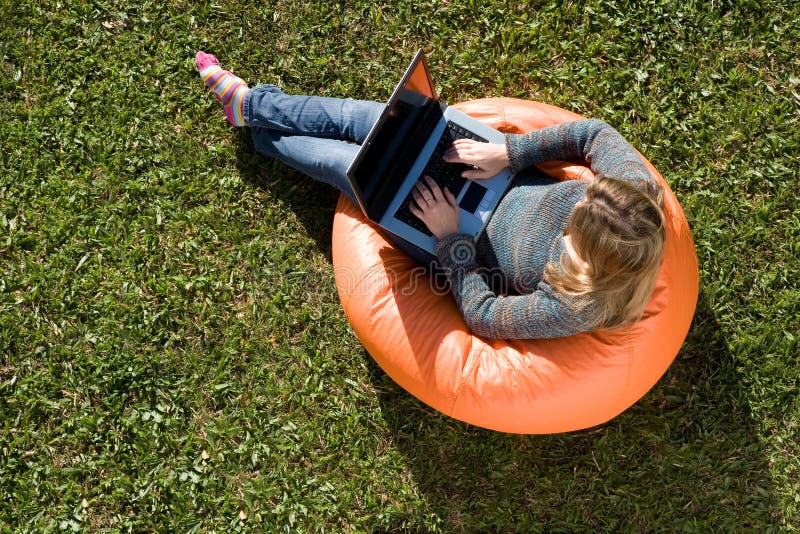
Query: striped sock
[[228, 89]]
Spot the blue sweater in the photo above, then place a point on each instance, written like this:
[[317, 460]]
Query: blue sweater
[[497, 283]]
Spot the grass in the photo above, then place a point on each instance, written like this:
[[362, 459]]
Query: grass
[[174, 357]]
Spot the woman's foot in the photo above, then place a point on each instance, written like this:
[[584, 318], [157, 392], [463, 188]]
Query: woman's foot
[[228, 89]]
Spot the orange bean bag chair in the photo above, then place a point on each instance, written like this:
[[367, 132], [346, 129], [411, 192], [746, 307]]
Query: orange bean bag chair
[[418, 337]]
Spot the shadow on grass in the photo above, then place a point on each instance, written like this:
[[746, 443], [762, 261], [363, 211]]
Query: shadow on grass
[[685, 456], [312, 203]]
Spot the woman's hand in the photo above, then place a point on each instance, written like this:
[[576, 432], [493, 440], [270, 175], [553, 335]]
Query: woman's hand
[[435, 207], [487, 159]]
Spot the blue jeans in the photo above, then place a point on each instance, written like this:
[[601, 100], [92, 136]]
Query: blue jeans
[[318, 136]]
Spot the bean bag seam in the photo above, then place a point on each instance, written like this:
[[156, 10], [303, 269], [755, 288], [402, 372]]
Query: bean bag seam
[[629, 373], [503, 114], [469, 367], [357, 286]]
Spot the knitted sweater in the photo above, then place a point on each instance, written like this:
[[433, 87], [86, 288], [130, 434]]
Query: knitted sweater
[[497, 282]]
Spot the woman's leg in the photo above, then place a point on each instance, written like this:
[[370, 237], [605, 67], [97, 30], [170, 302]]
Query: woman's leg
[[318, 136], [266, 106], [325, 160], [315, 135]]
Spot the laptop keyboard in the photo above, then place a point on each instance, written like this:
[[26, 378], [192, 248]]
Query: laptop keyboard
[[443, 173]]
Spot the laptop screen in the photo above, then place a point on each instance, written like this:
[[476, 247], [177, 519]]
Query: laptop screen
[[394, 142]]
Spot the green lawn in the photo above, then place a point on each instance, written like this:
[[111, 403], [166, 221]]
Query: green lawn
[[174, 356]]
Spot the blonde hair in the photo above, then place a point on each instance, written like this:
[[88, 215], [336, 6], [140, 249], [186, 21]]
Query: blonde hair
[[618, 233]]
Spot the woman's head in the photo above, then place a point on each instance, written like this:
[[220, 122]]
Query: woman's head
[[618, 233]]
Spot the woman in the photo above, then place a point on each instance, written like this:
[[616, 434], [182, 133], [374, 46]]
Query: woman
[[570, 256]]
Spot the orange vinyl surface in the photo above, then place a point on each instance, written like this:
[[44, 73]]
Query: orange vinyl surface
[[417, 336]]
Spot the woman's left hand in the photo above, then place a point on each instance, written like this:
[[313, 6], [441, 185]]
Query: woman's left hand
[[435, 207], [487, 159]]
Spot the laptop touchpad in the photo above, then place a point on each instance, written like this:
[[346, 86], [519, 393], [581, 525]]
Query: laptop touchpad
[[472, 198]]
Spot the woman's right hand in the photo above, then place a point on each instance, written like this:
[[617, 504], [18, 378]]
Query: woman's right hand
[[488, 159]]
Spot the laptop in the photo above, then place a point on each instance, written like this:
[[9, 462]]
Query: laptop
[[406, 144]]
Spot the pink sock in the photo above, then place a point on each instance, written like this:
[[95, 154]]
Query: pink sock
[[228, 89]]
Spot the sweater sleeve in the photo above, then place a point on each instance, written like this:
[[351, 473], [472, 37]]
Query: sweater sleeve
[[544, 313], [590, 140]]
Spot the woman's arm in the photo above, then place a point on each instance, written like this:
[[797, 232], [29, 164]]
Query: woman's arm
[[589, 140], [541, 314]]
